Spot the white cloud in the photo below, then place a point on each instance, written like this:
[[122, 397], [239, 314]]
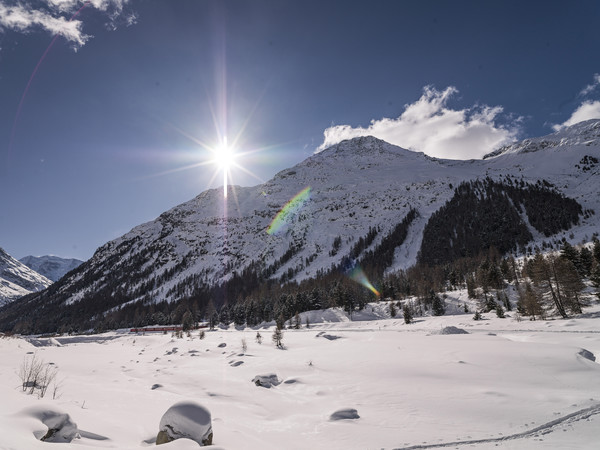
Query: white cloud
[[591, 87], [429, 126], [20, 18], [56, 17], [586, 111]]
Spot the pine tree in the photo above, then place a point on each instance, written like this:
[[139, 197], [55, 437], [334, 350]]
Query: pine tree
[[188, 320], [586, 258], [392, 309], [596, 251], [506, 302], [471, 285], [437, 306], [407, 315], [543, 272], [258, 337], [595, 279], [477, 315]]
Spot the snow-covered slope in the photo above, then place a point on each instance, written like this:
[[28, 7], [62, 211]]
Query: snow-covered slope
[[17, 280], [355, 185], [503, 384], [52, 267], [584, 133]]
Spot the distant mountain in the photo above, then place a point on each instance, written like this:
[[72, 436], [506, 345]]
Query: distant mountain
[[52, 267], [360, 201], [17, 280]]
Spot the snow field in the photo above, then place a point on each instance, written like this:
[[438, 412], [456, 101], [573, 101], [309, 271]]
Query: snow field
[[410, 385]]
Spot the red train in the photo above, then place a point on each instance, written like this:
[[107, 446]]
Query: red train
[[163, 328], [157, 328]]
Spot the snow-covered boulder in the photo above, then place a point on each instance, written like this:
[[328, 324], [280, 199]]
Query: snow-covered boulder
[[453, 330], [343, 414], [61, 427], [186, 420], [267, 381]]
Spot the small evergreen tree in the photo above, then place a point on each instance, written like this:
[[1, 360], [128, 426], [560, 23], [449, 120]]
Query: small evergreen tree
[[490, 304], [278, 337], [477, 315], [392, 309], [258, 337], [407, 315], [500, 311]]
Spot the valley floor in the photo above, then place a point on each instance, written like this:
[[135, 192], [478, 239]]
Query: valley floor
[[505, 384]]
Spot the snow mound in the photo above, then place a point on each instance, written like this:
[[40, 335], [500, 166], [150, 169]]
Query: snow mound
[[60, 426], [54, 343], [267, 380], [452, 330], [343, 414], [587, 355], [186, 420]]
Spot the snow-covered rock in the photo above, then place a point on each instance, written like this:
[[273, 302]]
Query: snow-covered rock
[[61, 427], [344, 414], [186, 420], [267, 380]]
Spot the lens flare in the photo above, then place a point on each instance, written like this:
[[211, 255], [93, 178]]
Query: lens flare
[[289, 209], [359, 276]]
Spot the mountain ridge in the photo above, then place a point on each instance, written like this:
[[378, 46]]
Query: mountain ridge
[[355, 189]]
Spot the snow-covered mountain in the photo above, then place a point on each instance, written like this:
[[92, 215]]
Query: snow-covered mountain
[[52, 267], [346, 191], [17, 280]]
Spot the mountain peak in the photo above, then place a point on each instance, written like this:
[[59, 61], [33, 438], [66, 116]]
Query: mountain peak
[[17, 280], [50, 266]]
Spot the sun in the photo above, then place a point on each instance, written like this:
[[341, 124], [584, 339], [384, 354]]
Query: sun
[[224, 158]]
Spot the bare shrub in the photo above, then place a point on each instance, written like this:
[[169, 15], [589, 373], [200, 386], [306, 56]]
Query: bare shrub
[[36, 376]]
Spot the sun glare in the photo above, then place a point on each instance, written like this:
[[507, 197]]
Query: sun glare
[[224, 158]]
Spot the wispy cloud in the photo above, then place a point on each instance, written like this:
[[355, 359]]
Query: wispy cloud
[[430, 126], [591, 87], [588, 109], [56, 17]]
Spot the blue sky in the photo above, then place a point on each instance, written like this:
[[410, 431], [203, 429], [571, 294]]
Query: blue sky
[[100, 125]]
